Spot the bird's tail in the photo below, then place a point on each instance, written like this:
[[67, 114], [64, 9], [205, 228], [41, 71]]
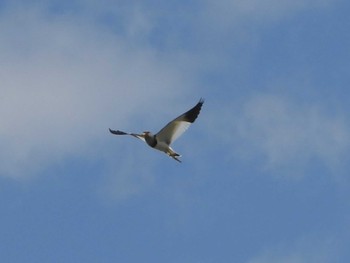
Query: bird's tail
[[174, 155]]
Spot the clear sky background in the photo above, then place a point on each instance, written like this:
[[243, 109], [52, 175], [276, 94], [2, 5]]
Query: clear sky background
[[265, 172]]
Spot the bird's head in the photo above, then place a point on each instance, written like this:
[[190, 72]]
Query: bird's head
[[147, 134]]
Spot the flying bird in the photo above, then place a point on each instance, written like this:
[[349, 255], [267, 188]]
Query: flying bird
[[167, 135]]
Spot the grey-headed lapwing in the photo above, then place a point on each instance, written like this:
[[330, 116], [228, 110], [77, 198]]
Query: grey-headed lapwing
[[173, 130]]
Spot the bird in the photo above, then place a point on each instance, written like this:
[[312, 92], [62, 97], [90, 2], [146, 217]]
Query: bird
[[169, 133]]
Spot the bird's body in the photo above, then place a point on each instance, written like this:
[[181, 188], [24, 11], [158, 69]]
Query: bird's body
[[162, 140], [162, 146]]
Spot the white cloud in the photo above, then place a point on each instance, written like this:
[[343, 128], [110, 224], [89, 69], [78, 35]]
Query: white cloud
[[286, 135], [66, 78], [65, 82], [306, 250]]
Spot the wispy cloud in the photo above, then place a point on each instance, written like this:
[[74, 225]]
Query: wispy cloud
[[306, 250], [65, 82], [287, 134], [67, 76]]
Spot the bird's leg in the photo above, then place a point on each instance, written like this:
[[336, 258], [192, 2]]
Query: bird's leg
[[174, 155], [175, 158]]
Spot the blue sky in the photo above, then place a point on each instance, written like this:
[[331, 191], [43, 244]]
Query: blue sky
[[265, 167]]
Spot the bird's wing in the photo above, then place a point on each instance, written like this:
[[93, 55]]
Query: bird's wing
[[178, 126], [117, 132]]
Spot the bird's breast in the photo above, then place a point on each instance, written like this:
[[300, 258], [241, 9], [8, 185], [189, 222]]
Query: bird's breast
[[151, 141]]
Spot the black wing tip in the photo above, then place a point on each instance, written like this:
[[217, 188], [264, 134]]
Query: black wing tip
[[116, 132], [193, 113], [199, 104]]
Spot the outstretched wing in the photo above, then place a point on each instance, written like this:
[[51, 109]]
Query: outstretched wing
[[178, 126], [117, 132]]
